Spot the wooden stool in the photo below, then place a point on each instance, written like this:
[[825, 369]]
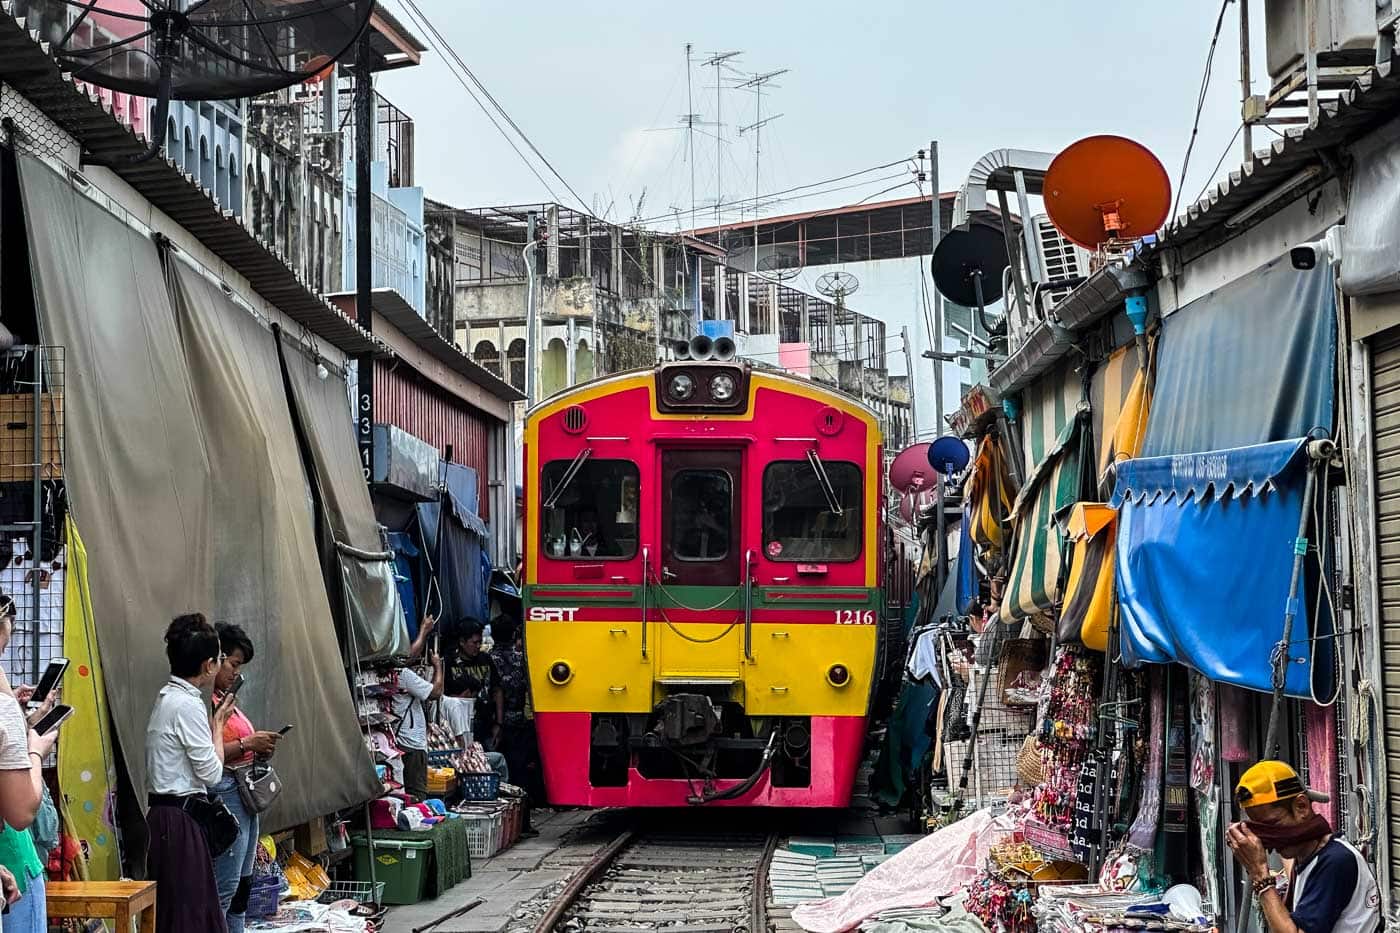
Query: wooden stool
[[104, 900]]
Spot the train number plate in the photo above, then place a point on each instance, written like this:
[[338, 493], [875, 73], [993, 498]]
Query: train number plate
[[855, 617]]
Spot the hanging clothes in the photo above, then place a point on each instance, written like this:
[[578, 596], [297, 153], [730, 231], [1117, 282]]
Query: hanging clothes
[[990, 494]]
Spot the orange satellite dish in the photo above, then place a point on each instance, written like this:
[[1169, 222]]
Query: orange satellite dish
[[325, 66], [1106, 188]]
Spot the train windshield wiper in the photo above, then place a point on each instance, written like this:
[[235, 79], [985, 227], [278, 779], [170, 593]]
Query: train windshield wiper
[[825, 482], [568, 477]]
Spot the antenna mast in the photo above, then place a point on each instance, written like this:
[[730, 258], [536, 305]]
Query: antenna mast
[[757, 82], [690, 129], [717, 62]]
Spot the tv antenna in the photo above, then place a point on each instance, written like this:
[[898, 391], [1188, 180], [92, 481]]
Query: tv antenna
[[967, 268], [1105, 193], [196, 49], [837, 285], [778, 266], [758, 83], [718, 61]]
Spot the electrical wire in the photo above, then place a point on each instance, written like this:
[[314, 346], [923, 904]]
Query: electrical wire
[[450, 55], [1219, 162], [1200, 103]]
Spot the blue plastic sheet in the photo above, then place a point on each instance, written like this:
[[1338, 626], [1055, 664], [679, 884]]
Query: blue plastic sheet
[[1206, 545], [1250, 363]]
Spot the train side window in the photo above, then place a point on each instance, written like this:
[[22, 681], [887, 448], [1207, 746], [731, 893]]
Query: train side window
[[702, 506], [594, 516], [799, 523]]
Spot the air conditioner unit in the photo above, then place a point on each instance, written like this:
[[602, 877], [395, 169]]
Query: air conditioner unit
[[1062, 263], [1342, 28]]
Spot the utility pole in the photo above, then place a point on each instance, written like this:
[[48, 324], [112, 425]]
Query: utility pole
[[717, 61], [1244, 79], [757, 82], [364, 256], [936, 234], [531, 325], [913, 394]]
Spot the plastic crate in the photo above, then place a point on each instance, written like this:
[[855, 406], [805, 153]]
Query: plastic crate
[[264, 896], [483, 834], [444, 758], [513, 821], [400, 866], [479, 786]]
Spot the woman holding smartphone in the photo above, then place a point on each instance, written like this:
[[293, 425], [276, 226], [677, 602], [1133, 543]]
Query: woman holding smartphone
[[22, 754], [233, 870]]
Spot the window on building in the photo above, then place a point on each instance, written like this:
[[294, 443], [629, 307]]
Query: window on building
[[592, 514], [799, 523], [702, 514], [515, 359]]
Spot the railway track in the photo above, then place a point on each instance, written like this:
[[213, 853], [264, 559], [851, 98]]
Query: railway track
[[679, 882]]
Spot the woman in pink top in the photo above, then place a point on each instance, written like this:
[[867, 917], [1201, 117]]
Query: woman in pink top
[[233, 871]]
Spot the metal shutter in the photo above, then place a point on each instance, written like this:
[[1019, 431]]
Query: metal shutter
[[1385, 414]]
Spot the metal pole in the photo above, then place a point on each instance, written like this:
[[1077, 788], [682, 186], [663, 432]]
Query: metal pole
[[936, 233], [38, 491], [364, 257], [531, 347], [1244, 79], [913, 396]]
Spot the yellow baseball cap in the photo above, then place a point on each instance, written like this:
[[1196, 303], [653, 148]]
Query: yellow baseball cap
[[1272, 782]]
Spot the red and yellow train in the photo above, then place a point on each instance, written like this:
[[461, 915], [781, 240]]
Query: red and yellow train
[[703, 599]]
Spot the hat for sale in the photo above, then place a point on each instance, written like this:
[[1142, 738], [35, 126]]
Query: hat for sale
[[1273, 782]]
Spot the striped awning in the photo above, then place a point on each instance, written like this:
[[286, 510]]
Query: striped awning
[[1119, 400], [1033, 585], [1119, 396]]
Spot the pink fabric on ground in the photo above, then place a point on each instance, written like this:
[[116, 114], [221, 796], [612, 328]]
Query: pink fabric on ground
[[934, 867]]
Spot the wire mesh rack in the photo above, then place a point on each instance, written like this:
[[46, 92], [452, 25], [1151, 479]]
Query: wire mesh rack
[[33, 507]]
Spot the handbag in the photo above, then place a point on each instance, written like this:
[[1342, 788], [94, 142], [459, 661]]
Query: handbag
[[216, 819], [258, 785]]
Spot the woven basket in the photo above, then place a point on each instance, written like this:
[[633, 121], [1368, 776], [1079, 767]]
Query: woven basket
[[1029, 767]]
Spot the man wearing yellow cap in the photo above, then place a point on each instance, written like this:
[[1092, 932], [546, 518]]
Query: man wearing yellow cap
[[1330, 887]]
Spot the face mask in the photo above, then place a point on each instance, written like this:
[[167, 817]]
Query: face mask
[[1275, 837]]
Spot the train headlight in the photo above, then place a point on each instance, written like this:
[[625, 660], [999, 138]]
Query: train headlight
[[838, 675], [560, 673], [682, 387], [722, 387]]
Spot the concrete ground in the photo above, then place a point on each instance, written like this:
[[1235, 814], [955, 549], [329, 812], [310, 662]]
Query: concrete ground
[[516, 877]]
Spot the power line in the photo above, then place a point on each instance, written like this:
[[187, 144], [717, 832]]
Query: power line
[[1200, 103], [446, 47], [1219, 162]]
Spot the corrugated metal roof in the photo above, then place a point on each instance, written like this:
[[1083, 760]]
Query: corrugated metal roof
[[1371, 100], [27, 67], [397, 311]]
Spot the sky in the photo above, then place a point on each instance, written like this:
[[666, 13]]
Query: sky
[[600, 88]]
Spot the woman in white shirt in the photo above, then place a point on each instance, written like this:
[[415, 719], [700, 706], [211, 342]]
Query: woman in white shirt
[[182, 762]]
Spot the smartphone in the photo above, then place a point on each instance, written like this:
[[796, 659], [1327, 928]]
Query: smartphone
[[53, 719], [52, 675], [237, 685], [285, 729]]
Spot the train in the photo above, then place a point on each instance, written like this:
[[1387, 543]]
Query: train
[[702, 586]]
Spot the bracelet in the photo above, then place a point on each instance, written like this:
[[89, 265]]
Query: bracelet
[[38, 756], [1264, 884]]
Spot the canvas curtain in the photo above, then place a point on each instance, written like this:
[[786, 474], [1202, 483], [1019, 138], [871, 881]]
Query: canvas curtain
[[1204, 563], [356, 559], [990, 494], [184, 479]]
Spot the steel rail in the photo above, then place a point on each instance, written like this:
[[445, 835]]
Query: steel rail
[[580, 881]]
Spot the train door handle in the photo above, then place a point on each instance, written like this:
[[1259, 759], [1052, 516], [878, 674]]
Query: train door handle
[[616, 689], [667, 574], [779, 689], [780, 634]]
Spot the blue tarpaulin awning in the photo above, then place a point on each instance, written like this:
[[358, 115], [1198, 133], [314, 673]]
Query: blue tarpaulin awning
[[1206, 544]]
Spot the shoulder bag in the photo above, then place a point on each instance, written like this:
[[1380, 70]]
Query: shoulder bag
[[258, 785], [216, 819]]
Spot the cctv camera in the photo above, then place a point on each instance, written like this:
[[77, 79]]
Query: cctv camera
[[1326, 250]]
